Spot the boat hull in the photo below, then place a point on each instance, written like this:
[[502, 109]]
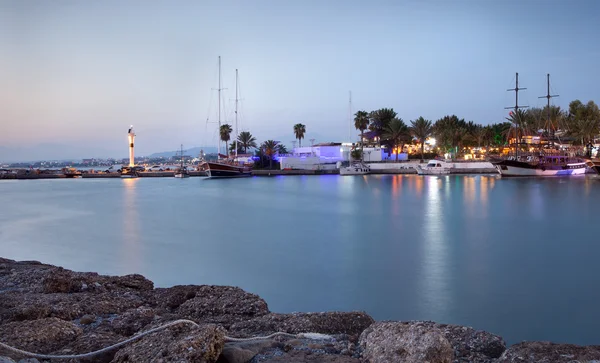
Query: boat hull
[[181, 176], [519, 168], [432, 171], [357, 169], [221, 170]]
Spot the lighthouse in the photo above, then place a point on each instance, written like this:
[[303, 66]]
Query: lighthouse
[[131, 136]]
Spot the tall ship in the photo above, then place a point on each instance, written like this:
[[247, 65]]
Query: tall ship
[[545, 163], [227, 166]]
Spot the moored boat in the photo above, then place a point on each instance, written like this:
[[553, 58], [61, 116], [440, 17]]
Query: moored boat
[[543, 165], [435, 167], [225, 169], [355, 168]]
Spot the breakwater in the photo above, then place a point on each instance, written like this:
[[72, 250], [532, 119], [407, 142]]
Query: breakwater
[[51, 310]]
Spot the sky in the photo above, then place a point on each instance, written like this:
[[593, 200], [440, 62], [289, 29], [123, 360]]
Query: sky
[[74, 75]]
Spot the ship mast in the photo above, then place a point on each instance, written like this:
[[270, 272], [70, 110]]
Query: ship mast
[[219, 91], [548, 97], [236, 112], [516, 115]]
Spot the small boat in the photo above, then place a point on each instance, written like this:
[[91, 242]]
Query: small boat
[[130, 172], [355, 168], [543, 165], [435, 167], [182, 171]]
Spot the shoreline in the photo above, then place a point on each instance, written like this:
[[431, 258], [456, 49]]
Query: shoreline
[[51, 310]]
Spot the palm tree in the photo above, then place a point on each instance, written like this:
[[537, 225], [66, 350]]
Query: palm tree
[[397, 133], [421, 129], [299, 131], [225, 132], [270, 149], [246, 140], [361, 122], [380, 119], [281, 149]]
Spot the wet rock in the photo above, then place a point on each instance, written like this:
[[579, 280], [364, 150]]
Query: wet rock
[[39, 336], [87, 319], [300, 356], [223, 305], [405, 342], [6, 360], [546, 352], [181, 343], [133, 320], [470, 345], [351, 323]]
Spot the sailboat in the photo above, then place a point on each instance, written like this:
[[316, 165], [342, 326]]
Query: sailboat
[[227, 167], [355, 167], [182, 172], [544, 164]]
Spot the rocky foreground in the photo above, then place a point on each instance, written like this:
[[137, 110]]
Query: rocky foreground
[[50, 310]]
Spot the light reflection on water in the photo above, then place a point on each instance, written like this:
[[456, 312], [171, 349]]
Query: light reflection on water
[[504, 255]]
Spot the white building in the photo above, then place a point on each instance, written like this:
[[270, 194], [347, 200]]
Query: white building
[[327, 156]]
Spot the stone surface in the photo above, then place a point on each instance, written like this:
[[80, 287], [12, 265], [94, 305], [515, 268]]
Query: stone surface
[[470, 345], [133, 320], [236, 354], [352, 323], [223, 305], [6, 360], [87, 319], [39, 336], [546, 352], [405, 342], [181, 343]]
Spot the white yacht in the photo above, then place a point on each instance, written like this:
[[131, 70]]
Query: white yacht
[[355, 168], [435, 167]]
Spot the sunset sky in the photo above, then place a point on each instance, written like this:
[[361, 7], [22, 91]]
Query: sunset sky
[[74, 75]]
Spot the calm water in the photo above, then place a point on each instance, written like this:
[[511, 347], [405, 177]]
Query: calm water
[[517, 257]]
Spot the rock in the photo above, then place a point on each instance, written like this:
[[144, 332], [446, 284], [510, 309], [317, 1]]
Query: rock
[[92, 341], [29, 360], [39, 336], [135, 281], [235, 354], [470, 345], [405, 342], [351, 323], [6, 360], [299, 356], [15, 306], [133, 320], [223, 305], [538, 352], [181, 343], [61, 280], [87, 319]]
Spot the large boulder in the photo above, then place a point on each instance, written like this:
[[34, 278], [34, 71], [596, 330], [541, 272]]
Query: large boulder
[[180, 343], [405, 343], [223, 305], [470, 345], [39, 336], [350, 323], [546, 352]]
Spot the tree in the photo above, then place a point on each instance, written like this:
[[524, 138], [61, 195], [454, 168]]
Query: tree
[[281, 149], [397, 133], [421, 129], [356, 154], [269, 147], [361, 122], [380, 119], [246, 140], [450, 132], [240, 149], [299, 131], [225, 132]]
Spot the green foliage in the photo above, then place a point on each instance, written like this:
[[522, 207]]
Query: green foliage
[[421, 129], [225, 132], [246, 141], [356, 154], [397, 133], [380, 120], [269, 149], [299, 131]]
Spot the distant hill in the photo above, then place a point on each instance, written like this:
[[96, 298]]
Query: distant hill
[[194, 151]]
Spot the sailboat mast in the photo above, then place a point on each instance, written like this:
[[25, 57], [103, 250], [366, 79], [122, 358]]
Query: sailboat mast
[[516, 115], [219, 91], [236, 112], [350, 116], [548, 96]]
